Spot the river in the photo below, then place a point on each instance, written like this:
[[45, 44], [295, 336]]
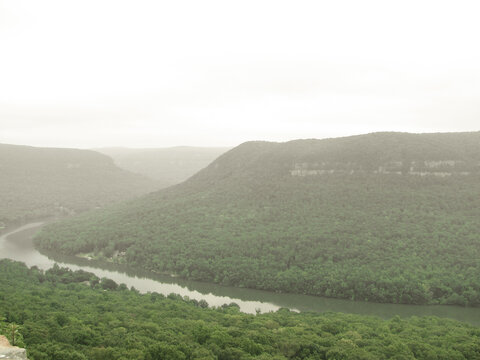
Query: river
[[17, 245]]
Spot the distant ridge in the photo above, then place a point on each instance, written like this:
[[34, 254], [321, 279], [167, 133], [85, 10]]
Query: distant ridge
[[169, 166], [386, 217], [37, 182]]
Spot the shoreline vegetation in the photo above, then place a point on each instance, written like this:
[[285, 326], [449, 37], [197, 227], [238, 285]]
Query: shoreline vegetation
[[118, 258], [267, 300], [77, 316]]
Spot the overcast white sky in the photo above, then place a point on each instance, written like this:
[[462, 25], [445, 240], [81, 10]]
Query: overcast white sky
[[215, 73]]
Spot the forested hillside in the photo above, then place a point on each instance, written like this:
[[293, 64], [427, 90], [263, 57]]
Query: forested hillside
[[60, 314], [385, 217], [169, 166], [37, 182]]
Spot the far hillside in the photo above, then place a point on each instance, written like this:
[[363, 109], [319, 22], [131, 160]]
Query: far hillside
[[167, 165], [38, 182], [385, 217]]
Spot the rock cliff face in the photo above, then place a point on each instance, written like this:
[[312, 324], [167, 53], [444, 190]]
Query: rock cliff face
[[8, 352], [440, 168]]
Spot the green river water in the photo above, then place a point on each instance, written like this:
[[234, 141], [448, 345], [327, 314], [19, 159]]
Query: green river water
[[17, 245]]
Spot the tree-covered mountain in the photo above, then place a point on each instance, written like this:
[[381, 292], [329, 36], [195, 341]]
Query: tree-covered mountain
[[169, 166], [60, 314], [386, 217], [37, 182]]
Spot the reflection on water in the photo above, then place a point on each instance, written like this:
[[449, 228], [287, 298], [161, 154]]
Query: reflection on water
[[17, 245]]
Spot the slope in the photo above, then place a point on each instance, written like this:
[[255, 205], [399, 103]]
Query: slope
[[37, 182], [386, 217]]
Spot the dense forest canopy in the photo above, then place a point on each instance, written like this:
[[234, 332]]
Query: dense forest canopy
[[38, 182], [60, 314], [385, 217], [169, 166]]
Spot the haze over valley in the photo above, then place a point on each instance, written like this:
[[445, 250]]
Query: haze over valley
[[382, 217], [169, 166], [264, 180]]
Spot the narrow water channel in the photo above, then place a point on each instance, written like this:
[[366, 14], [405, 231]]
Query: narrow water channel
[[17, 245]]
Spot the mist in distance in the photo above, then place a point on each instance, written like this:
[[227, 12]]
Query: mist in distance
[[150, 74], [179, 179]]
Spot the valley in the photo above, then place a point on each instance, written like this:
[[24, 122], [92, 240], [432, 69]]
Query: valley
[[359, 247], [17, 245], [167, 166], [245, 221]]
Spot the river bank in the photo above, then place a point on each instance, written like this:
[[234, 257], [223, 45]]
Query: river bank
[[17, 245]]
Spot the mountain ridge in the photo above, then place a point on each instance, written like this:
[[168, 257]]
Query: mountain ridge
[[308, 149], [401, 234], [40, 182]]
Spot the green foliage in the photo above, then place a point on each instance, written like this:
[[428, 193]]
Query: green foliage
[[62, 318], [12, 332], [40, 182], [246, 221]]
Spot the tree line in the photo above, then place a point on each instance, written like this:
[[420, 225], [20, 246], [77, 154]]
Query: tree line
[[60, 314]]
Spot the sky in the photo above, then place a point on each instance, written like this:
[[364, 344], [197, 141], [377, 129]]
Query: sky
[[217, 73]]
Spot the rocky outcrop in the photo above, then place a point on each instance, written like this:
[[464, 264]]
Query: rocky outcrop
[[441, 168], [9, 352]]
